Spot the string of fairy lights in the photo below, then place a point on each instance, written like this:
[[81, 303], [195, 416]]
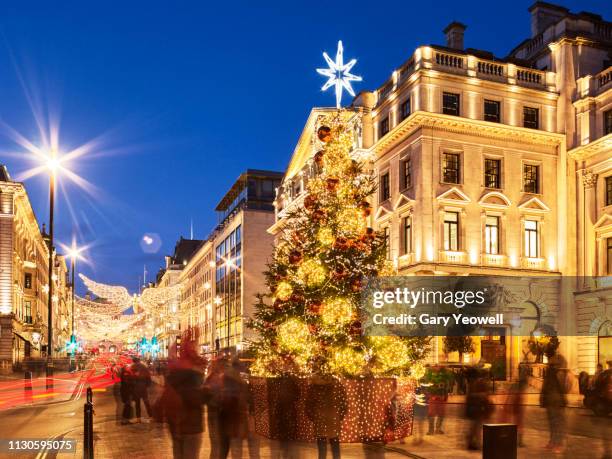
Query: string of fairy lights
[[105, 317]]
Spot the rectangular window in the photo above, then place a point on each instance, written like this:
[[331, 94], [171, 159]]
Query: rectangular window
[[406, 169], [451, 231], [492, 175], [609, 191], [609, 255], [405, 109], [27, 282], [608, 122], [492, 111], [450, 168], [407, 235], [27, 312], [531, 239], [383, 127], [492, 235], [530, 117], [387, 236], [385, 190], [450, 103], [531, 178]]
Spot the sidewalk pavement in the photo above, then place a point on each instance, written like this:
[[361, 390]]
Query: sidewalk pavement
[[452, 444], [152, 441]]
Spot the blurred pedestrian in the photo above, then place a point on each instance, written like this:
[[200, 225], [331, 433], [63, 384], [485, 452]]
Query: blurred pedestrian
[[284, 418], [439, 379], [233, 413], [553, 399], [477, 406], [420, 410], [181, 403], [214, 385], [126, 391], [516, 406], [326, 406], [141, 381]]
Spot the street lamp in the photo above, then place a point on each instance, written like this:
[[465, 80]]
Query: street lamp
[[73, 253], [52, 165]]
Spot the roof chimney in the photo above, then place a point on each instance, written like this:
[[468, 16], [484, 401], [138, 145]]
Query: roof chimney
[[545, 14], [454, 35], [168, 261]]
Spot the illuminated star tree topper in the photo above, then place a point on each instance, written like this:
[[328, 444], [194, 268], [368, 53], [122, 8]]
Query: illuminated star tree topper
[[339, 74]]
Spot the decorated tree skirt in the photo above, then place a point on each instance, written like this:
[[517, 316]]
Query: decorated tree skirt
[[371, 409]]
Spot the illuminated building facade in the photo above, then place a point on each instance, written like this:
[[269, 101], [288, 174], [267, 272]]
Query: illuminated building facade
[[170, 320], [24, 281], [490, 166], [220, 282]]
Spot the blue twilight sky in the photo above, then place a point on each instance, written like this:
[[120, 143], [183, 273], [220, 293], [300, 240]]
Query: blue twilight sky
[[183, 96]]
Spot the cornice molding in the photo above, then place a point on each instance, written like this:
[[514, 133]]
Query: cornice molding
[[583, 152], [459, 125]]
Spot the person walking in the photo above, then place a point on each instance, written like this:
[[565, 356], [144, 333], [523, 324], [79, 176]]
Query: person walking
[[125, 392], [181, 403], [141, 381], [553, 399], [326, 406]]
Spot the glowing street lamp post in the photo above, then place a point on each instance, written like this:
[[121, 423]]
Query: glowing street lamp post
[[73, 254], [52, 165]]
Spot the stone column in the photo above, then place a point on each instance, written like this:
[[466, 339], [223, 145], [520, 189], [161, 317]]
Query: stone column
[[589, 181]]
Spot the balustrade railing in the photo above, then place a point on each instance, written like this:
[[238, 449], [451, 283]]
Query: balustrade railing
[[489, 68], [529, 76], [450, 60]]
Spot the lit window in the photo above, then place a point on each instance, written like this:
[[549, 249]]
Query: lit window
[[27, 281], [450, 168], [530, 117], [492, 235], [407, 235], [405, 109], [450, 103], [385, 191], [608, 122], [492, 111], [387, 236], [451, 231], [28, 312], [531, 239], [492, 173], [406, 169], [531, 178], [383, 127]]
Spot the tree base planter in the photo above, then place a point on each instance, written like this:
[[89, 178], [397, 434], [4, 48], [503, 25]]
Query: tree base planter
[[375, 409]]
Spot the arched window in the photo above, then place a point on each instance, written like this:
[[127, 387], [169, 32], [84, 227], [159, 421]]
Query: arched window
[[529, 318]]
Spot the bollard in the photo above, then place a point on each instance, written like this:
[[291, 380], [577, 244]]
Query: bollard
[[499, 441], [88, 412]]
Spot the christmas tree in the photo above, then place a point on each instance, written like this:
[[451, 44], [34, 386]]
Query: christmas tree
[[309, 323]]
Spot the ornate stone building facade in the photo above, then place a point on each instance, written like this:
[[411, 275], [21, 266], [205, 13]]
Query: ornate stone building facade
[[497, 166], [24, 281]]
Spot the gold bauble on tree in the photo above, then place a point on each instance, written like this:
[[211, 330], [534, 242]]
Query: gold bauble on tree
[[346, 360], [351, 221], [312, 273], [337, 312], [325, 235], [283, 291]]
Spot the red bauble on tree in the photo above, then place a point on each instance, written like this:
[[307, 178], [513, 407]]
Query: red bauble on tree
[[295, 257]]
